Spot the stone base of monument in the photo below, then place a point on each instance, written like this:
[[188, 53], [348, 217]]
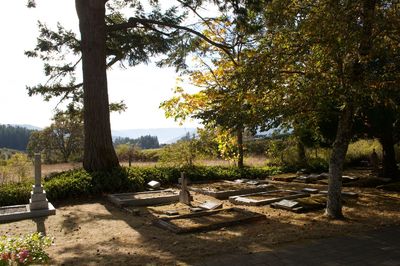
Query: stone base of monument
[[21, 212]]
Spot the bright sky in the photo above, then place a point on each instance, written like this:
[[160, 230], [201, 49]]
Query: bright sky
[[142, 88]]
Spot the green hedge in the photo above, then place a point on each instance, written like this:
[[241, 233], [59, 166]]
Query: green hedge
[[79, 183]]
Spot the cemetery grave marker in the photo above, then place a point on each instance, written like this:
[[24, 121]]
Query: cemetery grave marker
[[263, 198]]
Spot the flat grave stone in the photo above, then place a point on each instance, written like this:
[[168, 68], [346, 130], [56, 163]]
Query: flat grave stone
[[310, 190], [264, 198], [225, 189], [22, 212], [211, 205], [207, 220], [145, 198], [301, 205], [286, 204]]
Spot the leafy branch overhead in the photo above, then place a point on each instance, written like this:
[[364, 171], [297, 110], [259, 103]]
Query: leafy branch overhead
[[129, 41]]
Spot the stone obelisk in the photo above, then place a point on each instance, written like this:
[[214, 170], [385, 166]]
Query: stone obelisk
[[38, 200]]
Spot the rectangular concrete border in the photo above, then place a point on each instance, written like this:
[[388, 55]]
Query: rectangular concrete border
[[165, 223], [144, 202], [243, 200], [228, 193], [28, 214]]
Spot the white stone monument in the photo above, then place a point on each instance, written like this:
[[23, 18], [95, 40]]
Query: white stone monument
[[38, 199], [38, 204]]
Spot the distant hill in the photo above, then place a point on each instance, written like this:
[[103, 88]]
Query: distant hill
[[30, 127], [164, 135]]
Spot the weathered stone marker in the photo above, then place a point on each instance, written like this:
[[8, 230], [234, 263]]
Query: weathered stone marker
[[38, 199], [184, 195]]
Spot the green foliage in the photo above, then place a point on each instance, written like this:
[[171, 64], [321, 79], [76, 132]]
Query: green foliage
[[70, 184], [79, 183], [62, 141], [361, 150], [144, 142], [180, 154], [126, 151], [15, 193], [16, 169], [24, 250]]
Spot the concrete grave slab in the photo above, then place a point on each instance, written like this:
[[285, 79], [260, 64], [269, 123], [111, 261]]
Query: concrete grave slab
[[211, 205], [145, 198], [263, 198], [207, 220], [22, 212], [225, 189], [300, 205], [286, 204]]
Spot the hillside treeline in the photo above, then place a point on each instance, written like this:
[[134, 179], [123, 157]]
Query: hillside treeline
[[14, 137], [144, 142]]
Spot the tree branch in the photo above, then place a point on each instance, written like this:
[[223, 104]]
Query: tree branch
[[132, 22]]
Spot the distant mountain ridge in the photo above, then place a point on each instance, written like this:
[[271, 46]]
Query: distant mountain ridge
[[27, 126], [164, 135]]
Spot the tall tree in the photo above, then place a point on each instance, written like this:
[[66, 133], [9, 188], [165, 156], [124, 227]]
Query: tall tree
[[318, 53], [99, 153], [105, 40]]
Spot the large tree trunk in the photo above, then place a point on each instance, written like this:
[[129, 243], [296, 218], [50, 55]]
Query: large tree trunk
[[99, 153], [301, 153], [339, 150], [240, 147], [390, 169]]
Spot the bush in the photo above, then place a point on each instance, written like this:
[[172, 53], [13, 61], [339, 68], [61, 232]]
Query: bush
[[24, 250], [79, 183], [15, 193], [69, 184]]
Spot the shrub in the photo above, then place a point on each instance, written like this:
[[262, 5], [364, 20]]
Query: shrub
[[15, 193], [69, 184], [24, 250], [79, 183]]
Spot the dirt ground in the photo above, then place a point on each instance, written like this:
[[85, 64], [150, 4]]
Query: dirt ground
[[99, 233]]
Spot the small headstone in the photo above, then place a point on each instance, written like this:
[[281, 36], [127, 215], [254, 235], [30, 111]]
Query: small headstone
[[184, 195], [310, 190], [154, 184], [289, 204], [211, 205]]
